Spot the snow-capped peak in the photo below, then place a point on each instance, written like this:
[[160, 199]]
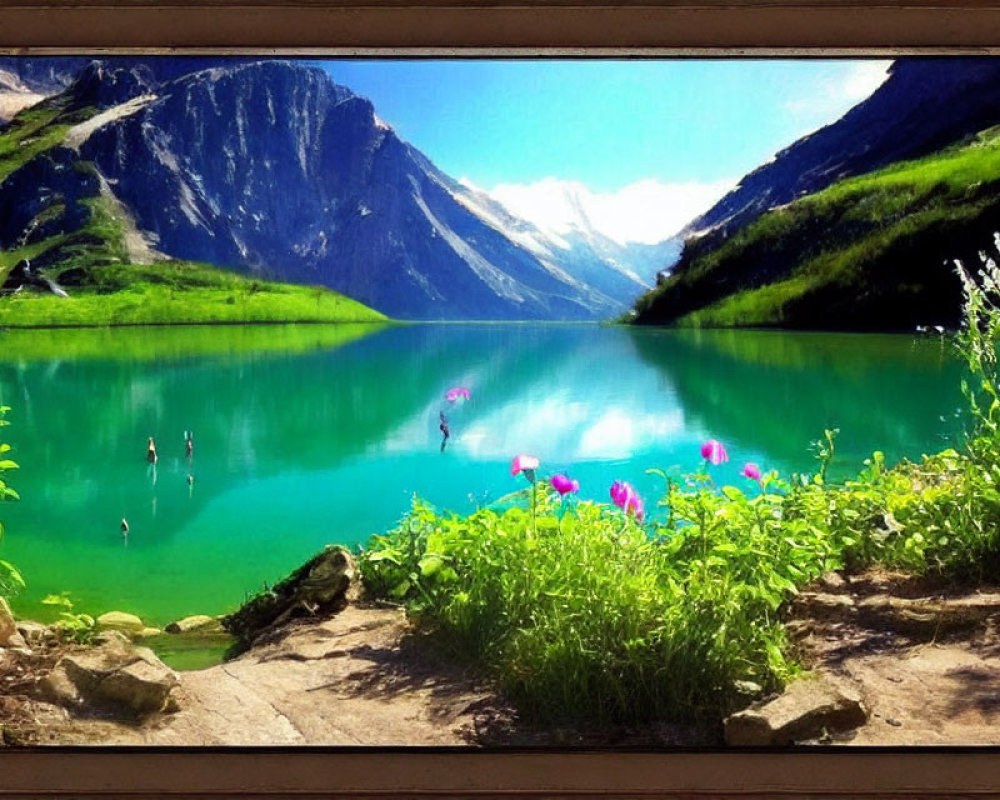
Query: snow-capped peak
[[647, 211]]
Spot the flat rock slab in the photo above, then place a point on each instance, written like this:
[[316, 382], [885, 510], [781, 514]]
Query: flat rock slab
[[932, 694], [353, 679], [194, 623], [807, 708]]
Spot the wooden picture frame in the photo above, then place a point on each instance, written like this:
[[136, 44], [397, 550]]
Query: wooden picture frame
[[511, 27]]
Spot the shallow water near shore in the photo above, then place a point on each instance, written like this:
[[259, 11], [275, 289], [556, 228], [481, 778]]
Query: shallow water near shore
[[310, 435]]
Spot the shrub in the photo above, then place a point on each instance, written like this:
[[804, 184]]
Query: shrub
[[11, 581]]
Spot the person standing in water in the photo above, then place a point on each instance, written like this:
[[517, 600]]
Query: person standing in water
[[444, 430], [151, 459]]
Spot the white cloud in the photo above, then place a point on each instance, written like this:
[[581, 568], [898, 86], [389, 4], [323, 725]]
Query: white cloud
[[646, 211], [836, 96]]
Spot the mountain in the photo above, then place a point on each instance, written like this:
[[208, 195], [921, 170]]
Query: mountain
[[858, 225], [925, 104], [273, 169], [618, 270]]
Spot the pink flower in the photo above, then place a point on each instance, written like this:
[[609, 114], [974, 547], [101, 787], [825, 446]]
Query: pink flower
[[752, 471], [713, 452], [626, 498], [564, 485], [453, 394], [526, 464]]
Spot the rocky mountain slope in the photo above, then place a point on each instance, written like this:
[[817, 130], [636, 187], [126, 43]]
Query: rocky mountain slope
[[846, 229], [924, 105], [275, 170]]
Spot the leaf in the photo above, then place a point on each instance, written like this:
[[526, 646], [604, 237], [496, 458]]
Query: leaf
[[13, 575], [430, 564], [384, 555], [400, 589], [7, 464], [58, 600]]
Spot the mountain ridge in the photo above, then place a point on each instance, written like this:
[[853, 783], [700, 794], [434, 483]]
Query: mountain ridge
[[273, 169], [848, 228]]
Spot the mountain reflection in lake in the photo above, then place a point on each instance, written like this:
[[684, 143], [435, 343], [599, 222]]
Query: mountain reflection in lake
[[311, 435]]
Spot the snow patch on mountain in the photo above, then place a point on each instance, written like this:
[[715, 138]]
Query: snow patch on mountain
[[78, 134], [647, 211]]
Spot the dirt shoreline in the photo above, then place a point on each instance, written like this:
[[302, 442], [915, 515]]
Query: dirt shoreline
[[365, 676]]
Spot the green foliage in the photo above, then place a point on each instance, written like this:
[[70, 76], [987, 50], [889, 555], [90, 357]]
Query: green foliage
[[80, 628], [11, 581], [592, 617]]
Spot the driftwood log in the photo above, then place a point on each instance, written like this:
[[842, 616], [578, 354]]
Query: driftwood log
[[317, 587]]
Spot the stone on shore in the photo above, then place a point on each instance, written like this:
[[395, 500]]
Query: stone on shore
[[807, 709], [196, 622], [120, 621], [35, 633], [8, 627], [114, 673]]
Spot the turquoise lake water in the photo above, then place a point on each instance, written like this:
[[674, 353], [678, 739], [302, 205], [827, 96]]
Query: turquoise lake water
[[314, 435]]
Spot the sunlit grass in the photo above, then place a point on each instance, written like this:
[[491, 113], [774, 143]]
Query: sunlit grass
[[163, 296]]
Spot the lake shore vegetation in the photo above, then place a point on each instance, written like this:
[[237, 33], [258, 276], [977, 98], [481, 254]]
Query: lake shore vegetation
[[175, 293], [584, 610]]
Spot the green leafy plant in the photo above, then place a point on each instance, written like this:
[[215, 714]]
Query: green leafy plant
[[80, 628], [11, 581]]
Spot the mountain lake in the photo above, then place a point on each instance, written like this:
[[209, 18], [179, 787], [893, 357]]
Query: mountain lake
[[309, 435]]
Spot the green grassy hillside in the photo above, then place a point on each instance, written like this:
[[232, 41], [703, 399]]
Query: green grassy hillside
[[81, 261], [871, 252]]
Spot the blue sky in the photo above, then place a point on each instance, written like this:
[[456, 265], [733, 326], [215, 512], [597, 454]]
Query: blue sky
[[605, 123]]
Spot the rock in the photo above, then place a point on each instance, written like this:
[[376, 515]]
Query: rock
[[832, 582], [807, 709], [748, 689], [112, 673], [35, 633], [193, 623], [318, 586], [821, 605], [120, 621], [927, 617], [8, 627], [56, 687], [147, 633], [17, 644], [142, 686]]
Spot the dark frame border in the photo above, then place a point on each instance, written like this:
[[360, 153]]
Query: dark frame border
[[505, 27], [451, 24]]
